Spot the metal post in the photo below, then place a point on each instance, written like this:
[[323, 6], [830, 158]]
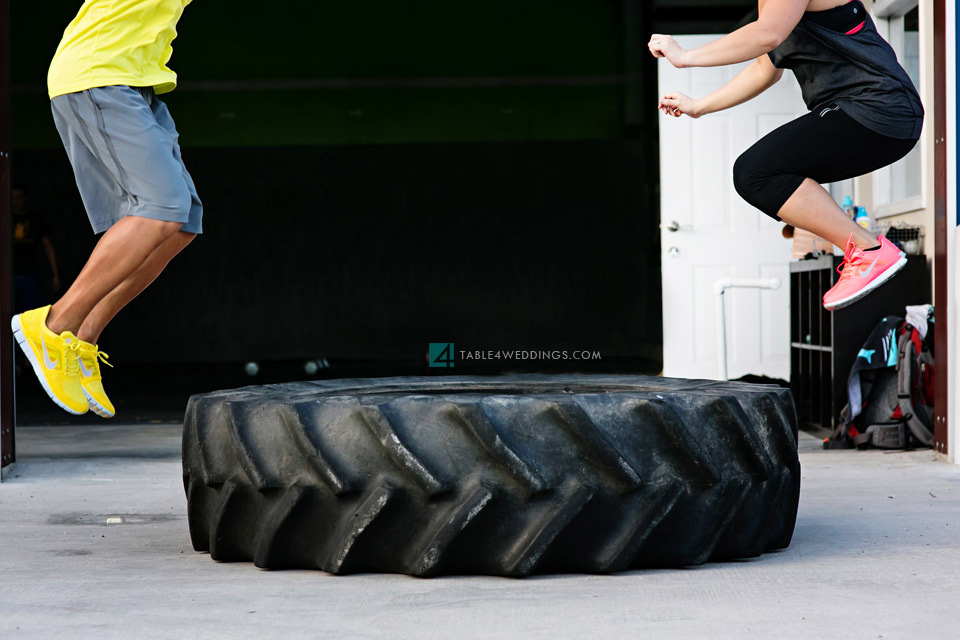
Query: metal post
[[7, 451], [720, 314], [719, 289], [941, 229]]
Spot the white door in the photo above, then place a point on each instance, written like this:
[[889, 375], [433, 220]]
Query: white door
[[720, 234]]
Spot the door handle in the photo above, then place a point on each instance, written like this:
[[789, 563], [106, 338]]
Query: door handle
[[673, 226]]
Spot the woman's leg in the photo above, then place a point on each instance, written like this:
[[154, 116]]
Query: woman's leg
[[781, 174], [811, 207]]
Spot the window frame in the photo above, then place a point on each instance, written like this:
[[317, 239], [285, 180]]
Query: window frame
[[889, 18]]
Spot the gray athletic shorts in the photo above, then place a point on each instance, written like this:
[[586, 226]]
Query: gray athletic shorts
[[123, 146]]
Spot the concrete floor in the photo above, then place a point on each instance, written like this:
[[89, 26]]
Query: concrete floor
[[876, 554]]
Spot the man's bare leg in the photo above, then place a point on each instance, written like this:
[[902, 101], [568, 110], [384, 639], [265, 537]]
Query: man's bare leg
[[109, 306], [118, 254], [812, 208]]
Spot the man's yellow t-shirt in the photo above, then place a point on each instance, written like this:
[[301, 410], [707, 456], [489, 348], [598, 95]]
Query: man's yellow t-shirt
[[117, 42]]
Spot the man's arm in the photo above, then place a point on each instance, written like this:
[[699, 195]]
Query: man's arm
[[746, 85], [777, 18]]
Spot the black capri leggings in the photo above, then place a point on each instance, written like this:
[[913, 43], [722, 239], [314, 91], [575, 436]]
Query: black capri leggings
[[825, 145]]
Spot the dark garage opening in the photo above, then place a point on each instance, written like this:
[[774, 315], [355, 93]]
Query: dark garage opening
[[377, 177]]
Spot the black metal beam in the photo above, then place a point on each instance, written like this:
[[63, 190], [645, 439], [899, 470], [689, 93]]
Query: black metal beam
[[692, 5], [703, 14], [700, 16], [7, 450]]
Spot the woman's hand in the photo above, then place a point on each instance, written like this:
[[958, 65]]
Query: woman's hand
[[677, 104], [662, 46]]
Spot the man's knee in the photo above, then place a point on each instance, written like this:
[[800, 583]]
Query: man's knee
[[166, 229], [185, 237], [159, 230], [174, 245]]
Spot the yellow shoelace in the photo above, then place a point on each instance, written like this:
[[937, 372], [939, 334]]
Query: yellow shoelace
[[72, 358], [98, 355], [103, 358]]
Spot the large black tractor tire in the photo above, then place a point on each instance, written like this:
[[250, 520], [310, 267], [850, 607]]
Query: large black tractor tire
[[504, 475]]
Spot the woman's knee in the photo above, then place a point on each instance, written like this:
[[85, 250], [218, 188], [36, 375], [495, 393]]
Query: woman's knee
[[757, 183], [746, 174]]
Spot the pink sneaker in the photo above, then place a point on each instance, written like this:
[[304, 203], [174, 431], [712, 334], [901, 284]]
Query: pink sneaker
[[863, 271]]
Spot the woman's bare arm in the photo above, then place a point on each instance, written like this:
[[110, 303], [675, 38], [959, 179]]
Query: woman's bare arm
[[776, 20], [746, 85]]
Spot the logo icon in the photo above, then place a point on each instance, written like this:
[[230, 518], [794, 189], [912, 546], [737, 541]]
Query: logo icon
[[441, 355], [86, 372], [866, 273], [51, 364]]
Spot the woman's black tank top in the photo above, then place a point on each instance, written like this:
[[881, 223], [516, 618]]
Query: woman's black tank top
[[839, 59]]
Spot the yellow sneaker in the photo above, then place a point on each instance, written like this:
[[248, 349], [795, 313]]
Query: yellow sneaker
[[55, 358], [91, 382]]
